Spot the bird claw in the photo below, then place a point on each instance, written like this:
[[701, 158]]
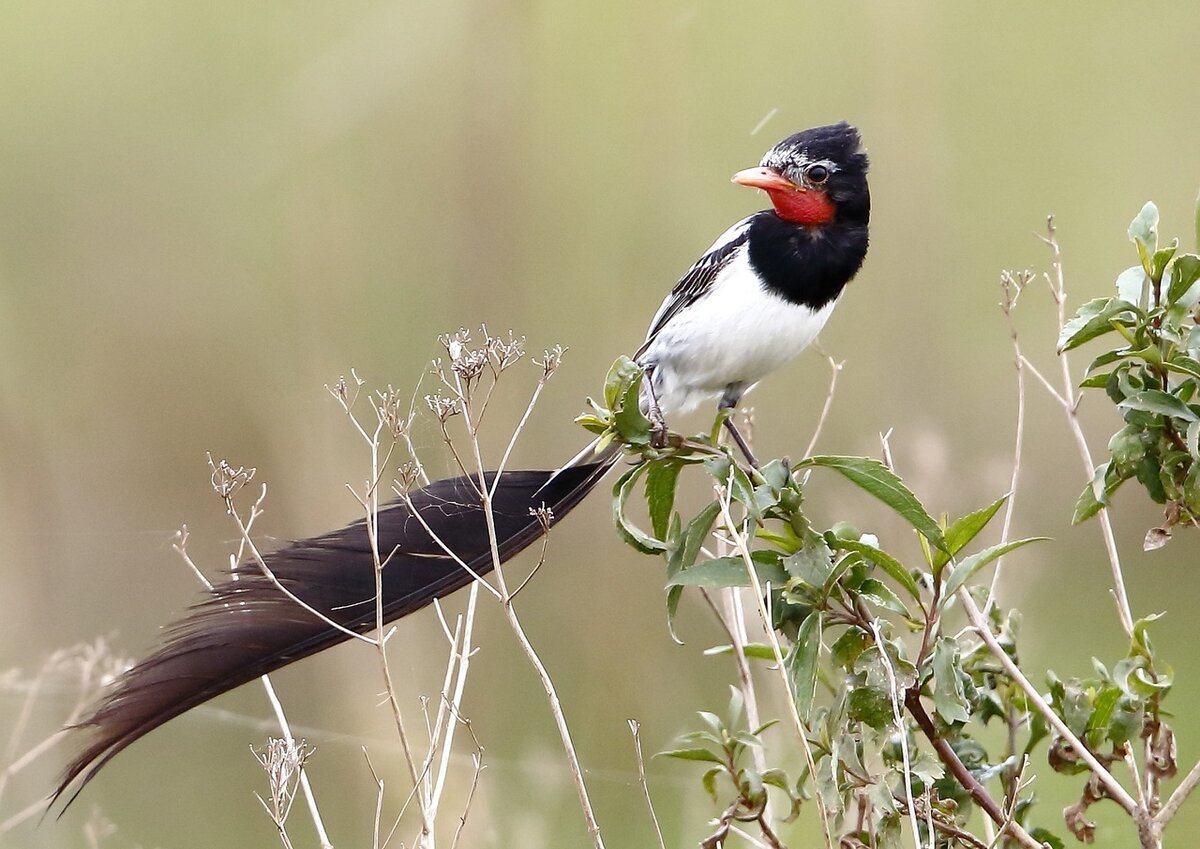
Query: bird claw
[[659, 434]]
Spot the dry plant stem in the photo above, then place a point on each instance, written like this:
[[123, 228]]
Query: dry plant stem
[[15, 764], [743, 550], [1012, 290], [733, 623], [1118, 793], [1070, 407], [257, 557], [537, 392], [310, 798], [372, 517], [477, 759], [460, 648], [748, 837], [1177, 798], [835, 368], [635, 728], [898, 718], [510, 614]]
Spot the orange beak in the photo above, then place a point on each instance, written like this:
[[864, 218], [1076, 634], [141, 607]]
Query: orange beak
[[766, 178]]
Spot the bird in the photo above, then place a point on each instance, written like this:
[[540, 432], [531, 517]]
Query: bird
[[752, 302]]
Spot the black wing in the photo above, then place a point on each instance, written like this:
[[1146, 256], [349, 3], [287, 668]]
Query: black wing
[[698, 279]]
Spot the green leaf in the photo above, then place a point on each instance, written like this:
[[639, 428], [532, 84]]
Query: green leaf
[[893, 567], [1193, 440], [1047, 838], [873, 477], [661, 479], [878, 594], [692, 755], [709, 781], [968, 566], [812, 564], [631, 533], [757, 651], [731, 572], [949, 700], [847, 648], [1141, 639], [1183, 364], [1143, 231], [682, 553], [1089, 504], [870, 705], [1162, 256], [730, 475], [1132, 285], [628, 419], [1095, 318], [1185, 271], [1160, 403], [963, 530], [622, 372], [801, 663]]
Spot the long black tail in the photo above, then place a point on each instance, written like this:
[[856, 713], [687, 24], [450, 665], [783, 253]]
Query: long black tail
[[246, 627]]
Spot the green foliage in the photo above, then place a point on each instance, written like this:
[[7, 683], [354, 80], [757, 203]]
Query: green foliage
[[893, 696], [1152, 375], [740, 788], [862, 628]]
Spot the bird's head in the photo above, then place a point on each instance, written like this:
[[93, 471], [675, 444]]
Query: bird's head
[[815, 177]]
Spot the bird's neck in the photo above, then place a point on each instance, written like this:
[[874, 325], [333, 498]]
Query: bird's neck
[[807, 266]]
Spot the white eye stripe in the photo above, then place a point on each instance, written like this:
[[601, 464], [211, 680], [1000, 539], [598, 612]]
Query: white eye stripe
[[783, 159]]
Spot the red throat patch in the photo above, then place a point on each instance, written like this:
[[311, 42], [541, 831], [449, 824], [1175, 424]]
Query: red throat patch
[[808, 208]]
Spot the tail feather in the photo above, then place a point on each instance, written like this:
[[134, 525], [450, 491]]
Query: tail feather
[[247, 628]]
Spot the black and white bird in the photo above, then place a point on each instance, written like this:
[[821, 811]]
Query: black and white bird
[[763, 291], [751, 303]]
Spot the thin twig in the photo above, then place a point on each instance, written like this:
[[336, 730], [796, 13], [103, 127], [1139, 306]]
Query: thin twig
[[835, 369], [635, 728], [1012, 285], [1185, 788], [531, 654], [1070, 406], [898, 717], [1114, 788], [739, 541], [310, 798], [947, 755]]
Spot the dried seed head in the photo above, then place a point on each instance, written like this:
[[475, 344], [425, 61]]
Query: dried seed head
[[544, 515], [389, 408], [550, 361], [503, 352], [455, 343], [443, 407], [227, 480], [469, 364], [282, 761], [408, 475]]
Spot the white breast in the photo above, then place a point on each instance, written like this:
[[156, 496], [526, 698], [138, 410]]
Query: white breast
[[735, 334]]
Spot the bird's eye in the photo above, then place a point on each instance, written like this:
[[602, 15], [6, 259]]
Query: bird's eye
[[817, 173]]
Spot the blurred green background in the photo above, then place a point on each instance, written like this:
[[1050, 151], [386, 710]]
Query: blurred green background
[[208, 211]]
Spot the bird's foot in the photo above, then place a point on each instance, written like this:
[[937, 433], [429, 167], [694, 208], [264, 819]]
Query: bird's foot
[[659, 434]]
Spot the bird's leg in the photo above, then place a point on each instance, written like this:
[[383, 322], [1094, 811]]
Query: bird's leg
[[658, 424], [728, 405]]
